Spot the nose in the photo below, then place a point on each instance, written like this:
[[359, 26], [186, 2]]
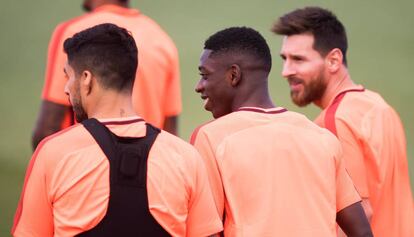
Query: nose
[[199, 86], [287, 69]]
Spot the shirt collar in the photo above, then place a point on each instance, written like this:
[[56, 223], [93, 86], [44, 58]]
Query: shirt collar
[[275, 110], [119, 121]]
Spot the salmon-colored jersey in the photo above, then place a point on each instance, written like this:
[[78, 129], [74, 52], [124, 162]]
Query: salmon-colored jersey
[[66, 189], [374, 148], [156, 93], [275, 173]]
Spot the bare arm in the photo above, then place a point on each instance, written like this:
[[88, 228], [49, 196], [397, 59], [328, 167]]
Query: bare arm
[[171, 125], [353, 221], [49, 120]]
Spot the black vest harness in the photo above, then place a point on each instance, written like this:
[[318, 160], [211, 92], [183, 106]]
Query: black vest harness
[[128, 212]]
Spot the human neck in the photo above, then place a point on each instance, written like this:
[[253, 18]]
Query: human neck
[[113, 2], [112, 105], [337, 83], [258, 97]]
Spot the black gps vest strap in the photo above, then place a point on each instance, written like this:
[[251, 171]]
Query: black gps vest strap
[[128, 212]]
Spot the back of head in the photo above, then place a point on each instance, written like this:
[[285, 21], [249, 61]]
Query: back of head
[[328, 31], [108, 52], [241, 41], [90, 5]]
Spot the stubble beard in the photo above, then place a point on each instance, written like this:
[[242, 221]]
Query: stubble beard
[[79, 111]]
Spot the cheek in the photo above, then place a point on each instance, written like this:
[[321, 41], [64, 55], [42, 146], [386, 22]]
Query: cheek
[[310, 72], [74, 89], [70, 84]]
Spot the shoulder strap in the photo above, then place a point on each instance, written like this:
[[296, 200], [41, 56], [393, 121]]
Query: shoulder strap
[[152, 132], [102, 136]]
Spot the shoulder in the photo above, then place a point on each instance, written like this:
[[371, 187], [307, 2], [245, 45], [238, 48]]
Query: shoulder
[[296, 128], [62, 28], [361, 102], [66, 141], [172, 158], [173, 148], [197, 130], [217, 129], [153, 41], [152, 26], [356, 108]]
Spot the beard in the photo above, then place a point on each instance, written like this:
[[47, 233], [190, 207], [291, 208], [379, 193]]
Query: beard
[[312, 91], [79, 111]]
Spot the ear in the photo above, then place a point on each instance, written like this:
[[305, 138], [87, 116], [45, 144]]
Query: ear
[[87, 82], [334, 60], [235, 74]]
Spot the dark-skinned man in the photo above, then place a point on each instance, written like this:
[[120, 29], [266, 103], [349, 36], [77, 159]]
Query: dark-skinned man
[[273, 172]]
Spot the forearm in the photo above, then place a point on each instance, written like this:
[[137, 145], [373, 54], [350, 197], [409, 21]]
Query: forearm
[[171, 125], [49, 121]]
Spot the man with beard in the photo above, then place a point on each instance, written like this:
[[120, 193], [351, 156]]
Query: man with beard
[[272, 172], [156, 94], [114, 174], [370, 131]]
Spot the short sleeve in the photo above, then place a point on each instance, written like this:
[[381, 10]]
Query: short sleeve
[[201, 142], [203, 219], [55, 80], [34, 215], [346, 194], [353, 156]]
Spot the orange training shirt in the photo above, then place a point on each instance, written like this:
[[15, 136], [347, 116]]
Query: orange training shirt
[[275, 173], [66, 188], [374, 147], [156, 93]]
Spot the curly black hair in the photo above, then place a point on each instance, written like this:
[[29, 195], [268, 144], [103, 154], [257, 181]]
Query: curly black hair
[[243, 40]]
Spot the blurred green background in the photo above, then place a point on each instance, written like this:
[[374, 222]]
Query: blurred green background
[[381, 39]]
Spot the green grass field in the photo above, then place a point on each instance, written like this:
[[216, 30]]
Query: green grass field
[[381, 39]]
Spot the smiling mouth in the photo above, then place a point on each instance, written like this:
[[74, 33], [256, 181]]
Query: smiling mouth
[[295, 84], [206, 100], [295, 87]]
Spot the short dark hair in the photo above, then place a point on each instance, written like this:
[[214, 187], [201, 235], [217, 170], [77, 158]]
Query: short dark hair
[[106, 50], [327, 30], [241, 40]]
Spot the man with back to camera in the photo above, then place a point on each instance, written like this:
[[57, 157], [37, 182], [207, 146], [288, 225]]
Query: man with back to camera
[[370, 131], [272, 172], [156, 95], [112, 174]]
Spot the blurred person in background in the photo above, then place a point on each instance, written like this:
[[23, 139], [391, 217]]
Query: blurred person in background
[[156, 95]]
